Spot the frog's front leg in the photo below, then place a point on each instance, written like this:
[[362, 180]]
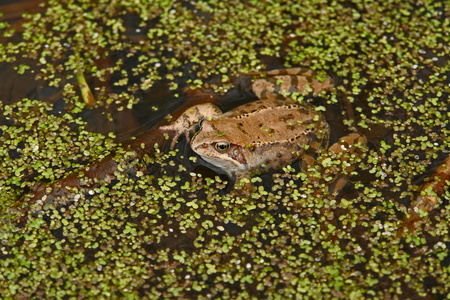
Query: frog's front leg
[[277, 84], [185, 124]]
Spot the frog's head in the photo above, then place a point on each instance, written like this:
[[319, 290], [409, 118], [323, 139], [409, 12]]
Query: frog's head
[[218, 150]]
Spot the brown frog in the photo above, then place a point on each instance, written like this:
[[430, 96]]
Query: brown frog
[[262, 135]]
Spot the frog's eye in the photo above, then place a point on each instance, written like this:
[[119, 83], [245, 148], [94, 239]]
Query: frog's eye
[[222, 146]]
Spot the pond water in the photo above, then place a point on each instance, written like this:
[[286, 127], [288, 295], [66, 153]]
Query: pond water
[[94, 202]]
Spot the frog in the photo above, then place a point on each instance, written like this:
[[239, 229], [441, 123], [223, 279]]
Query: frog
[[266, 134]]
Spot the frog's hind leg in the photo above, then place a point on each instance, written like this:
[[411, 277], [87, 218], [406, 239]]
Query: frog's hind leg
[[345, 153], [279, 84], [347, 149]]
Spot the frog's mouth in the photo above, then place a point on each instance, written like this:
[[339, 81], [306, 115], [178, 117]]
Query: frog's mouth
[[230, 160]]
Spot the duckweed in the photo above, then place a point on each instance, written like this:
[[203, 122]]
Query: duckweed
[[178, 232]]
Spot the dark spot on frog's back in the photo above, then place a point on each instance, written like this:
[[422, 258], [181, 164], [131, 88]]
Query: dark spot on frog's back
[[278, 154], [241, 129], [286, 117], [291, 127]]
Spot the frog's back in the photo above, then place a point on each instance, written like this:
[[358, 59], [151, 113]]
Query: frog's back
[[270, 122]]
